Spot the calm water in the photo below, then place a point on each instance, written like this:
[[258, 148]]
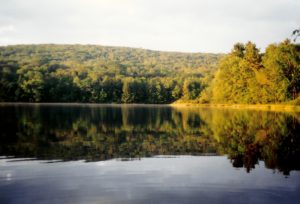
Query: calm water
[[147, 154]]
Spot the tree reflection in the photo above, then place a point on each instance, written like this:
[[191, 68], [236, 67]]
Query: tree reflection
[[96, 133], [249, 136]]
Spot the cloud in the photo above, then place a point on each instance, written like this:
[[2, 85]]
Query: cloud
[[179, 25], [6, 28]]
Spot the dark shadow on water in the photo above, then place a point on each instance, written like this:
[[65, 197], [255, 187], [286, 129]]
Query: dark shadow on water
[[96, 133]]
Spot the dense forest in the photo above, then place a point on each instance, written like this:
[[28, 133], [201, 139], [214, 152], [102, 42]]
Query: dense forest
[[99, 74]]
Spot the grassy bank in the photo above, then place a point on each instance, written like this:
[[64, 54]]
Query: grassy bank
[[267, 107]]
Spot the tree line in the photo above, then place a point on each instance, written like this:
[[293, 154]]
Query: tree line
[[99, 74]]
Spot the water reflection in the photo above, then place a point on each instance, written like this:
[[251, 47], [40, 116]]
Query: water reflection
[[95, 133]]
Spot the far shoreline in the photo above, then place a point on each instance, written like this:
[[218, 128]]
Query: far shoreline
[[264, 107]]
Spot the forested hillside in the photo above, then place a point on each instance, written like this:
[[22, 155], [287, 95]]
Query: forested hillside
[[100, 74]]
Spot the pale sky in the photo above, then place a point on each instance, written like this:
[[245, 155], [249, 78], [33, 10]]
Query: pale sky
[[170, 25]]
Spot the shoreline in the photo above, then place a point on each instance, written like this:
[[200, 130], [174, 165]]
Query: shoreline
[[265, 107]]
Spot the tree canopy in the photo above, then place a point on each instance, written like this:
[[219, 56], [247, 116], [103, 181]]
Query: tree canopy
[[250, 77], [99, 74]]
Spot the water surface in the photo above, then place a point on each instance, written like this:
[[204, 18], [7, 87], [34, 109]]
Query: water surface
[[72, 153]]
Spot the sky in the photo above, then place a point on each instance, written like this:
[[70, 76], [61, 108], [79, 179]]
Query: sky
[[167, 25]]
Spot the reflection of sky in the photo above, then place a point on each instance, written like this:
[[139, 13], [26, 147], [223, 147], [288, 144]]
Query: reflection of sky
[[184, 179]]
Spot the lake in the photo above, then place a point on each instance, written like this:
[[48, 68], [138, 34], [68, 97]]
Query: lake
[[86, 153]]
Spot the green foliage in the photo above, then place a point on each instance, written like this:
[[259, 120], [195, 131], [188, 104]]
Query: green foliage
[[8, 80], [191, 89], [246, 76], [128, 95], [98, 74]]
